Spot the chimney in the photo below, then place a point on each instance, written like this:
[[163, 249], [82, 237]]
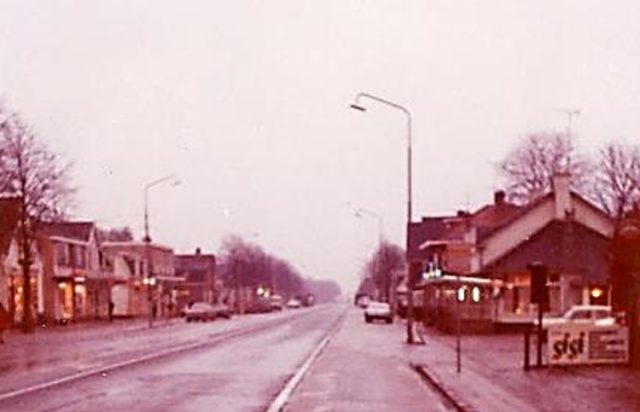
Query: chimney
[[562, 195], [198, 251], [499, 197]]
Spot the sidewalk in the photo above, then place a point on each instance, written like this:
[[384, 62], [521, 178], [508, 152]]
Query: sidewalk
[[493, 379], [363, 369]]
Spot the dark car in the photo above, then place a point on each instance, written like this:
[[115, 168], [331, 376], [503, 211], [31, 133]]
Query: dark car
[[222, 310], [261, 305]]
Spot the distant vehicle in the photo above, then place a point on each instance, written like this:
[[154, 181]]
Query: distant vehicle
[[277, 302], [378, 310], [261, 305], [308, 300], [200, 311], [582, 315], [294, 303], [222, 310], [363, 301]]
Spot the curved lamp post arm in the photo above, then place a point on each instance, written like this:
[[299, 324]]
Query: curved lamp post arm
[[148, 186], [357, 106], [362, 211]]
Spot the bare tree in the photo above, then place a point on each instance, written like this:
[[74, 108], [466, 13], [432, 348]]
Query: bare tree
[[617, 179], [530, 167], [386, 260], [245, 264], [32, 174]]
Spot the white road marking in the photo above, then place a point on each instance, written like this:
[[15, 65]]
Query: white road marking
[[285, 394], [96, 371]]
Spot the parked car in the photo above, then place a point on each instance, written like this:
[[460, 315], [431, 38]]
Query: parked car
[[222, 310], [582, 315], [200, 311], [378, 310], [261, 305], [277, 302], [307, 300], [294, 303]]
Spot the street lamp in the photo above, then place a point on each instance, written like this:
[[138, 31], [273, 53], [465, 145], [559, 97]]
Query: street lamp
[[362, 211], [149, 280], [175, 182], [358, 106]]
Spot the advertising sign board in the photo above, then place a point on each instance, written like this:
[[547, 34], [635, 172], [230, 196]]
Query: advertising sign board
[[588, 345]]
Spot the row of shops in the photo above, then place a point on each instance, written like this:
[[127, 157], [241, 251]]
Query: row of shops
[[75, 276]]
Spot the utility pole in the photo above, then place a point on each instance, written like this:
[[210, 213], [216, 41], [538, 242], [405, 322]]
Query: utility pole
[[149, 280], [410, 280], [570, 114]]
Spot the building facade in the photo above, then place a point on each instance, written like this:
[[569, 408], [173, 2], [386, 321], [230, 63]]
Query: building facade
[[75, 286], [147, 281], [199, 273], [561, 230]]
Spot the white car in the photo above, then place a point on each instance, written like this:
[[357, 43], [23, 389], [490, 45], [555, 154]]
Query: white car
[[378, 310], [294, 304], [598, 315]]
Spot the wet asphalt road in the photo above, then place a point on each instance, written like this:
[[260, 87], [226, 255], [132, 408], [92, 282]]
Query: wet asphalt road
[[240, 374]]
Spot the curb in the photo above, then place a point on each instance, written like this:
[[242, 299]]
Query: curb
[[446, 392]]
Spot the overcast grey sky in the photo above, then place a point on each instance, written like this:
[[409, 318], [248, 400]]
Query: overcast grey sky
[[247, 102]]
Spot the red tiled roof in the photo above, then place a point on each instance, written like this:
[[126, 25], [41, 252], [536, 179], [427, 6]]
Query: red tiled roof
[[486, 220]]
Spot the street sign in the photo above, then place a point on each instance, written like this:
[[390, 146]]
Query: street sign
[[588, 345]]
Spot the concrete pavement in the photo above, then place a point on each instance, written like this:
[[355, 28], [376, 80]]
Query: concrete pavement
[[364, 368], [493, 379], [238, 374]]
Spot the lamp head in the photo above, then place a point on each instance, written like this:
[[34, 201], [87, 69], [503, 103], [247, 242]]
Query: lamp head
[[358, 107]]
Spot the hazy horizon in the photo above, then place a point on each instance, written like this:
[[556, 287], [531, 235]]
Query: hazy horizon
[[247, 103]]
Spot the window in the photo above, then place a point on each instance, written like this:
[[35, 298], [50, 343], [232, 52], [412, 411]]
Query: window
[[62, 256], [80, 257], [580, 315], [601, 314]]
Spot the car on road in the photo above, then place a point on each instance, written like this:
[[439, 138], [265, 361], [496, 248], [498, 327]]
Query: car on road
[[597, 315], [277, 302], [200, 311], [294, 303], [378, 311], [260, 305], [222, 310], [363, 301]]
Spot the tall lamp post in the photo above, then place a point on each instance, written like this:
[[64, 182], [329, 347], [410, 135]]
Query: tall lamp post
[[410, 281], [149, 280]]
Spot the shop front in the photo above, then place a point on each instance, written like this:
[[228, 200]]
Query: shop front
[[16, 300], [70, 302]]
